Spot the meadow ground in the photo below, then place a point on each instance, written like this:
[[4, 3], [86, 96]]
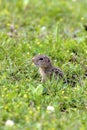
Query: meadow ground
[[59, 30]]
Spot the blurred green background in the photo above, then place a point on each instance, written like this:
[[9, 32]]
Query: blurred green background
[[54, 28]]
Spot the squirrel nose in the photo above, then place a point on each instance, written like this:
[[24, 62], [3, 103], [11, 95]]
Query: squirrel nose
[[32, 59]]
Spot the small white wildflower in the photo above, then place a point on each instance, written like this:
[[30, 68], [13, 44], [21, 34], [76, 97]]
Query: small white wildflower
[[43, 28], [50, 108], [74, 0], [25, 2], [9, 123]]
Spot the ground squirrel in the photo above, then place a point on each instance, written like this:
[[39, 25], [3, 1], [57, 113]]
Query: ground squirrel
[[46, 69]]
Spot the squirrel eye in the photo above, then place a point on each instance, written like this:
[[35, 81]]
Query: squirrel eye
[[41, 59]]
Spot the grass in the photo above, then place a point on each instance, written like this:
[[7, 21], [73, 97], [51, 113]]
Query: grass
[[55, 28]]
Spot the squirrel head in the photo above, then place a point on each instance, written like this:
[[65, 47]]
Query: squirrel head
[[41, 61]]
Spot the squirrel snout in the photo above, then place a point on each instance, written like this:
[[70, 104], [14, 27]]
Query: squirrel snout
[[32, 59]]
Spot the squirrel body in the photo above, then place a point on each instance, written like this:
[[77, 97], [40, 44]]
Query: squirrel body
[[46, 69]]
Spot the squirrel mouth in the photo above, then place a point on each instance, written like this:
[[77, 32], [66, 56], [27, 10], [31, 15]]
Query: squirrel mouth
[[36, 64], [33, 60]]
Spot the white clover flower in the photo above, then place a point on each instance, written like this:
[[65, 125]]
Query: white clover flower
[[50, 108], [9, 123]]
